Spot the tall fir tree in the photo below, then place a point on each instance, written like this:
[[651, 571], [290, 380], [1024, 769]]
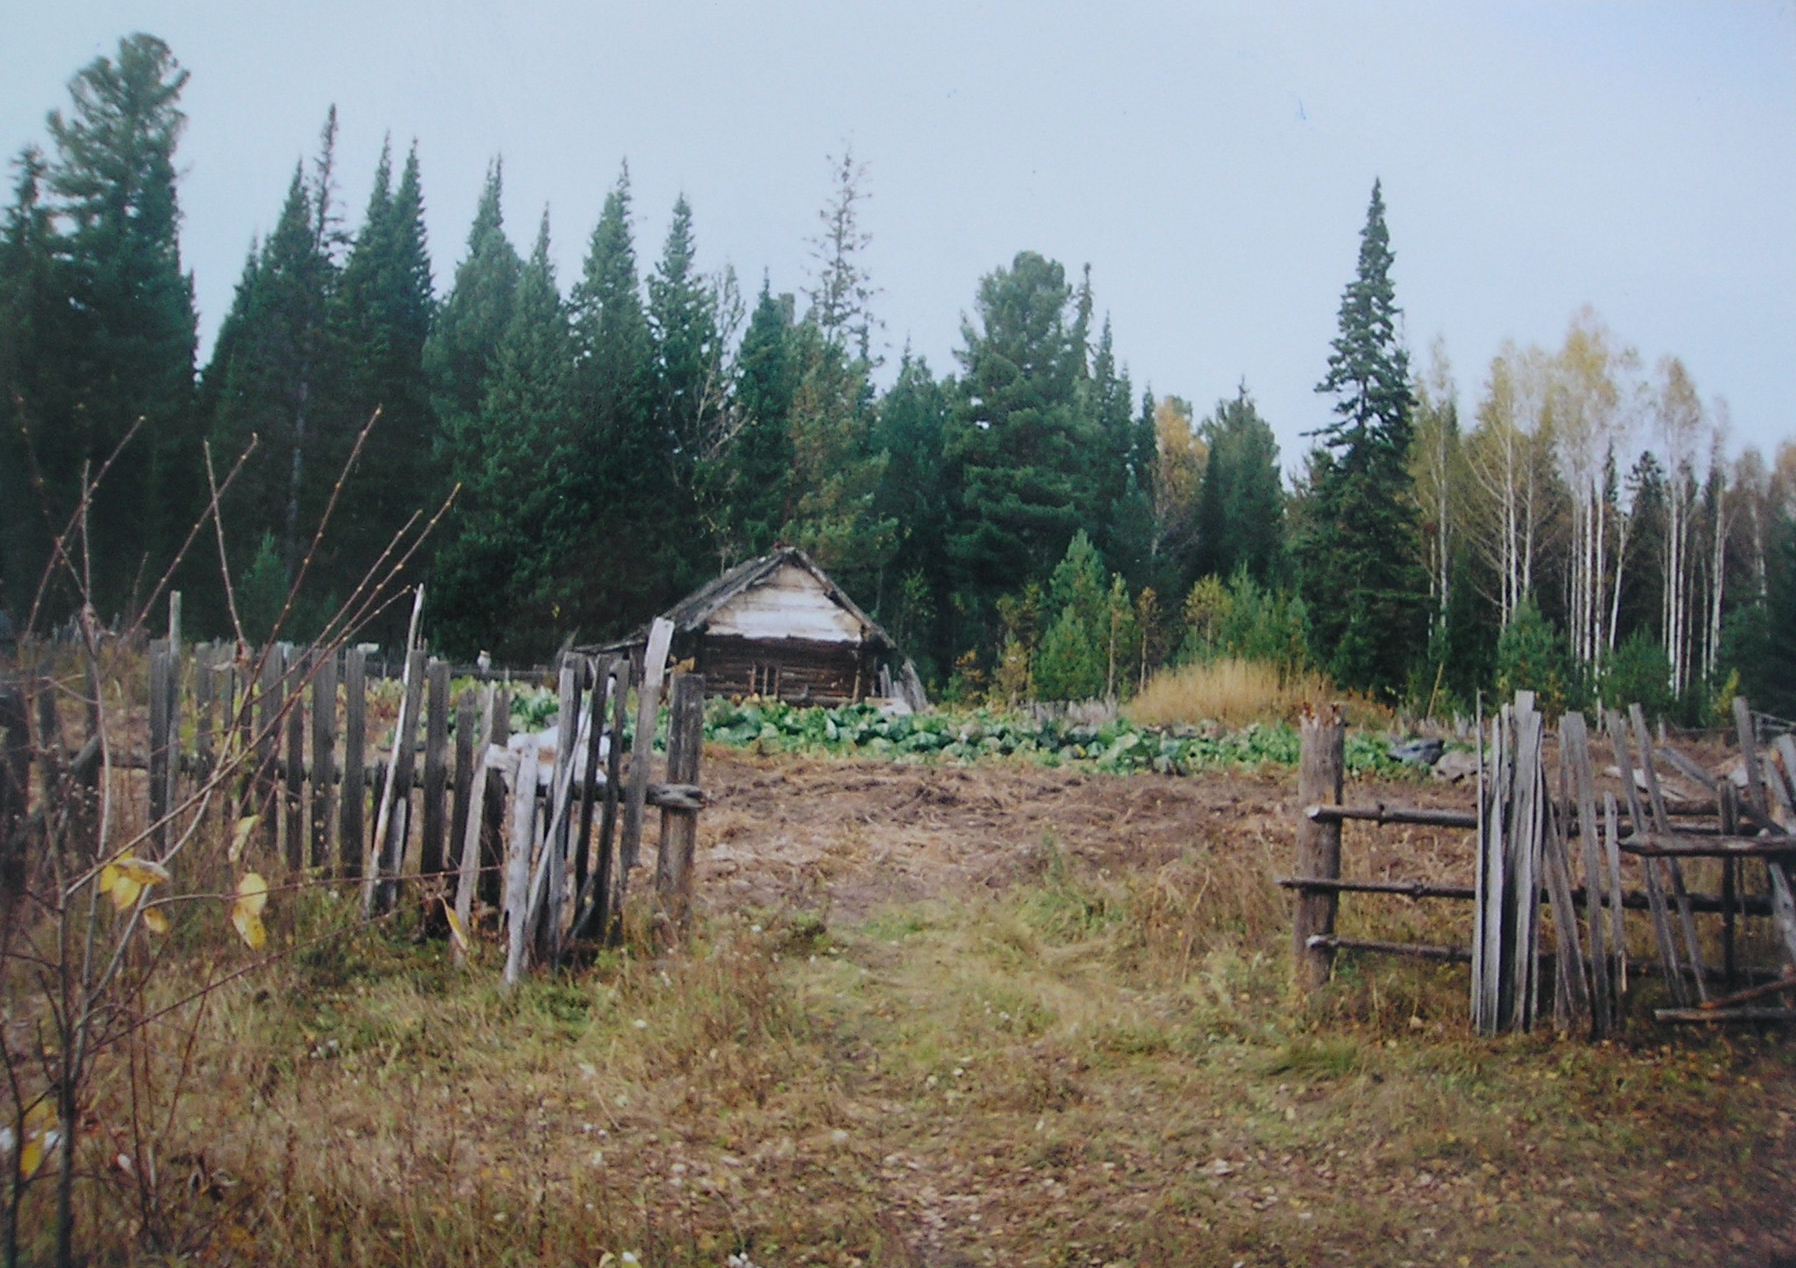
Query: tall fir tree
[[464, 340], [1018, 447], [761, 496], [913, 494], [382, 318], [625, 458], [836, 469], [505, 570], [1241, 505], [32, 323], [1360, 547], [125, 348], [275, 371]]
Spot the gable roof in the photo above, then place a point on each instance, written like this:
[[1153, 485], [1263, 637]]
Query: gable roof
[[691, 614]]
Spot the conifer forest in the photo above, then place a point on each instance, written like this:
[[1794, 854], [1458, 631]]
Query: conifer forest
[[1027, 523]]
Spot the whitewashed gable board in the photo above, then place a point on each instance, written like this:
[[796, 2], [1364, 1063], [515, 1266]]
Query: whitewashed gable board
[[790, 604]]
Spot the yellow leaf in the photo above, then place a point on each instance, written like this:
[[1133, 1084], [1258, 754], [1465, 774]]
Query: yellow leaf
[[41, 1137], [119, 887], [252, 893], [249, 928], [240, 835], [154, 920], [246, 911]]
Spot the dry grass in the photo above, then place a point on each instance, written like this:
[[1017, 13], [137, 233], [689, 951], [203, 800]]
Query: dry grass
[[1236, 692], [1096, 1061]]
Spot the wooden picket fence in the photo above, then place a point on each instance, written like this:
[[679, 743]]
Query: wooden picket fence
[[1537, 845], [456, 814]]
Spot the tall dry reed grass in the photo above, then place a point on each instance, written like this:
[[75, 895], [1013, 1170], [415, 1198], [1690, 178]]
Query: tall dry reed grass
[[1236, 692]]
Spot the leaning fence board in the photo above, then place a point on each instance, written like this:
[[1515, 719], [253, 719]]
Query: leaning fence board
[[436, 768], [1572, 990], [1662, 936], [472, 827], [598, 682], [324, 755], [268, 737], [1749, 754], [375, 888], [518, 848], [1580, 790], [462, 782], [351, 823], [567, 737], [493, 821], [1662, 823], [608, 892], [294, 724], [648, 699], [160, 746]]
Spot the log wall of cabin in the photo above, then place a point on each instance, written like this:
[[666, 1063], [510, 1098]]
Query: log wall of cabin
[[821, 673]]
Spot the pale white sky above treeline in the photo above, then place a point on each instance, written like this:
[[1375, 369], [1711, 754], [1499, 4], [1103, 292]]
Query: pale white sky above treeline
[[1212, 163]]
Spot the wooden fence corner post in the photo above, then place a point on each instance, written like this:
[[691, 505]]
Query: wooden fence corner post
[[679, 826], [1321, 765]]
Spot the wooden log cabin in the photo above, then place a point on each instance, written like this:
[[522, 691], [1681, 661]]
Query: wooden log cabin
[[778, 626]]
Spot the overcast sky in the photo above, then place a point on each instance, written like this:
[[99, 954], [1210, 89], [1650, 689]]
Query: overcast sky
[[1211, 163]]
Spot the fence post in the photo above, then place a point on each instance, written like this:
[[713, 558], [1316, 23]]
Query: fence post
[[15, 791], [1320, 767], [161, 670], [679, 827], [436, 767], [350, 821]]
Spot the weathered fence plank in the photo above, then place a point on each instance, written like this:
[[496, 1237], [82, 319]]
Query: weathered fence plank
[[161, 746], [324, 756], [679, 828], [298, 662], [433, 823], [351, 822]]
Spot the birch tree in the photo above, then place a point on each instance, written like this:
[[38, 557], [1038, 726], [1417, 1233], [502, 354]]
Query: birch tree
[[1678, 425], [1590, 400], [1435, 467], [1507, 460]]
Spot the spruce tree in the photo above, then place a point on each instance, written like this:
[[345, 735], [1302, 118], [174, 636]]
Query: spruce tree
[[464, 341], [126, 352], [1241, 506], [273, 372], [1360, 548], [913, 494], [761, 497], [31, 326], [1018, 448], [686, 414], [381, 319], [504, 572]]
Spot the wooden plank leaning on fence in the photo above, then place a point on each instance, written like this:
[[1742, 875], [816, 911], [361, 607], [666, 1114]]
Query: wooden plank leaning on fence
[[461, 928], [376, 890], [1321, 769]]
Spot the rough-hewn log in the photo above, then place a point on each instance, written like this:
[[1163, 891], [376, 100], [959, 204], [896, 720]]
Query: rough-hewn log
[[1321, 767]]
